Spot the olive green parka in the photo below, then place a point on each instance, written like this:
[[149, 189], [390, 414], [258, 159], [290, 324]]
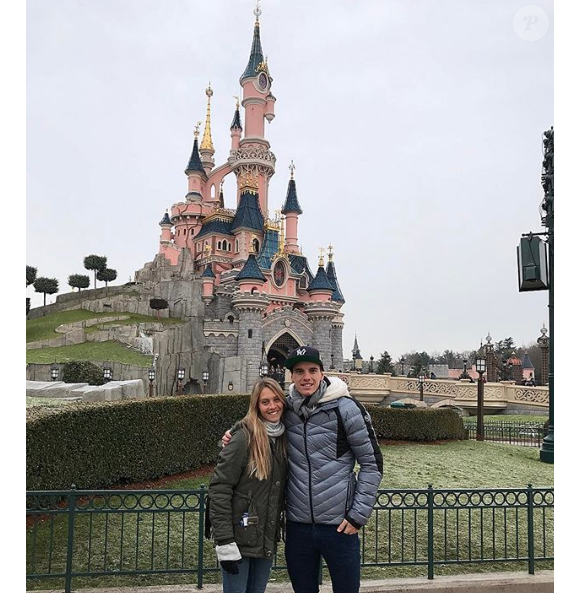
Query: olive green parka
[[232, 493]]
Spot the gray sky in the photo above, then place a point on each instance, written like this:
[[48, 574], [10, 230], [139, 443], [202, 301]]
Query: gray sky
[[415, 127]]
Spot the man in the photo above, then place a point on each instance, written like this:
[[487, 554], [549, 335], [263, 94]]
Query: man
[[326, 501]]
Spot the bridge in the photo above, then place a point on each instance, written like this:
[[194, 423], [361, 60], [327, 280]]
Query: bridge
[[505, 396]]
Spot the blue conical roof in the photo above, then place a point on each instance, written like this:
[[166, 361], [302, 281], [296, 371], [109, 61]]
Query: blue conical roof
[[320, 281], [166, 219], [331, 273], [195, 160], [208, 272], [236, 122], [526, 362], [256, 55], [291, 204], [251, 270], [248, 215]]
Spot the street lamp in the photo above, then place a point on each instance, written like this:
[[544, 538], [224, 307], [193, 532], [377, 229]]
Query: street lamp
[[402, 366], [151, 374], [480, 365], [180, 377], [372, 359], [264, 369], [421, 383], [54, 372], [107, 374], [205, 377]]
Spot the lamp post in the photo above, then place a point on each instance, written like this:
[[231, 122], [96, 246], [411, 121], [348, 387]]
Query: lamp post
[[205, 377], [180, 377], [151, 374], [421, 383], [371, 369], [107, 374], [402, 366], [264, 369], [480, 365], [54, 372], [547, 448]]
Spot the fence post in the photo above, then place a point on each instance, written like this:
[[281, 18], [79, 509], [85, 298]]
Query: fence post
[[72, 503], [201, 536], [530, 529], [430, 554]]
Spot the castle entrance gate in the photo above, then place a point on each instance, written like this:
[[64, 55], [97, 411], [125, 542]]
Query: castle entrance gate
[[279, 350]]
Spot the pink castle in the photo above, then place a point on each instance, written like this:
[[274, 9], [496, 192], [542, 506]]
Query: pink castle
[[261, 297]]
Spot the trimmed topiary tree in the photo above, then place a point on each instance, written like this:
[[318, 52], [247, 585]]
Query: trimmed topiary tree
[[158, 304], [95, 263], [79, 281], [106, 275], [82, 371], [46, 286]]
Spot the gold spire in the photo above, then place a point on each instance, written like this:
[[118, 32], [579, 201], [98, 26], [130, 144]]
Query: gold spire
[[321, 258], [237, 98], [330, 252], [281, 237], [206, 142]]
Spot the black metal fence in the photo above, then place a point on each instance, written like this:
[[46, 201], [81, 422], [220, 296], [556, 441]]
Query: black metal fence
[[72, 534], [528, 434]]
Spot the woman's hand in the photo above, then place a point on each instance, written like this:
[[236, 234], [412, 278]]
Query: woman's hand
[[226, 438]]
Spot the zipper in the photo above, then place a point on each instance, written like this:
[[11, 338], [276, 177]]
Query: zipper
[[309, 474]]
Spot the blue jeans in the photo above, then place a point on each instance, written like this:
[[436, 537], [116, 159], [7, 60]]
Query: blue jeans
[[305, 544], [252, 577]]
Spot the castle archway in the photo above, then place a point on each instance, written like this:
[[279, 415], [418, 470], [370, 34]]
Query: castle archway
[[279, 347]]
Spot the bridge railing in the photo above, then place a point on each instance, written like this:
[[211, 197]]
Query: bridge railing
[[78, 534], [529, 434]]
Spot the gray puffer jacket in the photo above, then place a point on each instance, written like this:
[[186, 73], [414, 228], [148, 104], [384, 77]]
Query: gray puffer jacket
[[322, 451]]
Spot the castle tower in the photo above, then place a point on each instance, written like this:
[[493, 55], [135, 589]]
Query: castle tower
[[291, 210], [250, 304], [208, 282], [248, 223], [236, 127], [206, 148], [356, 356], [253, 154]]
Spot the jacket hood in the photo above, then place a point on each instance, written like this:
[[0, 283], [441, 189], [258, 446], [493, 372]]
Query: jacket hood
[[335, 389]]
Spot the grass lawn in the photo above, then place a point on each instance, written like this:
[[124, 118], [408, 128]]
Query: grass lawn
[[460, 464], [43, 328], [96, 351]]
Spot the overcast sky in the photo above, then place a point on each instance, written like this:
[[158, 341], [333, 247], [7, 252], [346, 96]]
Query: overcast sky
[[415, 127]]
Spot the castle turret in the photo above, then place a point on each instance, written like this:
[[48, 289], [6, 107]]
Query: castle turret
[[320, 289], [196, 176], [292, 210], [331, 274], [236, 127], [166, 226], [206, 148], [248, 223], [208, 282]]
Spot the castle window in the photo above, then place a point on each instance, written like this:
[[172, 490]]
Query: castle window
[[219, 245], [249, 333], [256, 245], [230, 318], [192, 231], [237, 246]]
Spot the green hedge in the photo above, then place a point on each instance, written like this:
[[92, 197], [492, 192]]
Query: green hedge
[[82, 371], [96, 445], [417, 424]]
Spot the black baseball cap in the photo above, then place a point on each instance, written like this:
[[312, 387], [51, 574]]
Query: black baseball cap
[[303, 354]]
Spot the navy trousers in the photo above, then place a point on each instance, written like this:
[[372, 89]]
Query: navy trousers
[[306, 544]]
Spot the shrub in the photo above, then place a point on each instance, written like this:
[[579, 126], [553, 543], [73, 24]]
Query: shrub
[[416, 424], [96, 445], [82, 371]]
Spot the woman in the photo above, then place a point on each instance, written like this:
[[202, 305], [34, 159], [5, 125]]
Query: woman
[[246, 492]]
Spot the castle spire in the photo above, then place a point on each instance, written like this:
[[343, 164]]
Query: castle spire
[[331, 274], [206, 142], [291, 204], [236, 122], [195, 160], [256, 54]]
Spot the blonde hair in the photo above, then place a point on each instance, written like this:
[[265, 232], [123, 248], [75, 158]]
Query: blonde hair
[[260, 460]]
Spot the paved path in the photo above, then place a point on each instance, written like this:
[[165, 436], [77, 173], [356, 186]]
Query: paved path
[[505, 582]]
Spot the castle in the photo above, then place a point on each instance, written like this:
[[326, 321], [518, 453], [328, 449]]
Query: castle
[[260, 297]]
